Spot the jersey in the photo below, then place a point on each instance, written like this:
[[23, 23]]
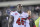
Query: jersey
[[19, 19], [37, 22]]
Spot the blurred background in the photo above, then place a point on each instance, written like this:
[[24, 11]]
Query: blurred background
[[6, 6], [16, 0]]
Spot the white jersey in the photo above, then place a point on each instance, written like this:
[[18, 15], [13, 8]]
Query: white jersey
[[39, 23], [17, 16]]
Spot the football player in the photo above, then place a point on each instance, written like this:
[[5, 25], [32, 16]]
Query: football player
[[19, 17]]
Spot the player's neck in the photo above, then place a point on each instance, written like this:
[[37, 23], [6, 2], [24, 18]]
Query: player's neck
[[20, 12]]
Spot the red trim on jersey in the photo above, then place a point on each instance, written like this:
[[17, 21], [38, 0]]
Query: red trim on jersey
[[34, 26], [15, 13], [12, 11], [29, 17]]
